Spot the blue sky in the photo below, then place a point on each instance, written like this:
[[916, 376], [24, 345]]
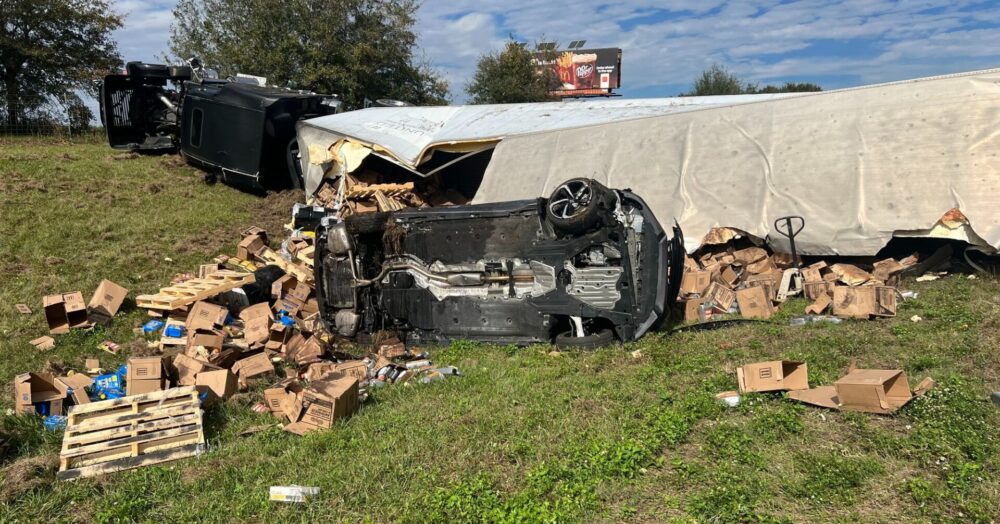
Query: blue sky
[[667, 43]]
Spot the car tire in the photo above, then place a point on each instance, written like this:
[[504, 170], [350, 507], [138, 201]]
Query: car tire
[[577, 205], [568, 340]]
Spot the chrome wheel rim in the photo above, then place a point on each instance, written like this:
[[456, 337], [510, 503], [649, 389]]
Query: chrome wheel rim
[[570, 199]]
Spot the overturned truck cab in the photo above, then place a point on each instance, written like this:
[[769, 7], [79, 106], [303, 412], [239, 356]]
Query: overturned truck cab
[[582, 268]]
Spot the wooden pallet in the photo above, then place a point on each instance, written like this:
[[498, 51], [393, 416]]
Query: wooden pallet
[[130, 432], [269, 256], [193, 290], [306, 255]]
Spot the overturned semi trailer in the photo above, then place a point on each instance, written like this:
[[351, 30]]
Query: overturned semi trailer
[[862, 165]]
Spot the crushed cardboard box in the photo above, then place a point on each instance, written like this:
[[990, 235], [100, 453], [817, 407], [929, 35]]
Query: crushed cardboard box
[[881, 391]]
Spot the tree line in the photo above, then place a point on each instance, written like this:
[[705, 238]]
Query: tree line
[[54, 50]]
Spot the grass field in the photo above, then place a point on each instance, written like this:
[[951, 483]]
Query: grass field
[[619, 434]]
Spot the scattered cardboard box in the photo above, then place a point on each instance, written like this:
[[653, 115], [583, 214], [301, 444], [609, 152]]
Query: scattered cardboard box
[[76, 387], [853, 302], [34, 388], [253, 366], [204, 315], [754, 302], [187, 368], [695, 282], [23, 309], [880, 391], [251, 245], [323, 403], [145, 375], [819, 305], [65, 311], [106, 301], [43, 343], [776, 375], [219, 383], [282, 392]]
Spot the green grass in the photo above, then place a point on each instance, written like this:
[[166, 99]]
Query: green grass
[[523, 436]]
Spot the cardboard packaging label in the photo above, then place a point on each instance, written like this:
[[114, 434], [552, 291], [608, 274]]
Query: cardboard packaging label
[[107, 300], [776, 375]]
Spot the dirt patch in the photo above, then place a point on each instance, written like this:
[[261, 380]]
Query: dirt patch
[[172, 161], [275, 211], [139, 348], [124, 156], [55, 366], [27, 474], [54, 261], [154, 188]]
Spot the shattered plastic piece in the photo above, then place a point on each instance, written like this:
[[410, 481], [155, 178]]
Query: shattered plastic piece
[[728, 398], [54, 422], [909, 295], [812, 319], [916, 318], [292, 493]]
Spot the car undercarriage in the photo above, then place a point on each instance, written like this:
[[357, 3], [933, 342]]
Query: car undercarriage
[[584, 267]]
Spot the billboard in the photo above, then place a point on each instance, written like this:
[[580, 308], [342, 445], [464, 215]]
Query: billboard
[[584, 72]]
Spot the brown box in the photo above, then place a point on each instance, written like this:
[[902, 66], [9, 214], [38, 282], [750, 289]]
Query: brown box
[[208, 338], [729, 276], [750, 255], [310, 349], [854, 302], [278, 337], [65, 311], [219, 383], [43, 343], [204, 315], [187, 369], [873, 390], [207, 269], [695, 282], [107, 300], [776, 375], [721, 296], [885, 301], [814, 290], [353, 368], [690, 307], [76, 387], [276, 394], [282, 286], [323, 403], [31, 388], [253, 366], [754, 302], [249, 246], [145, 375]]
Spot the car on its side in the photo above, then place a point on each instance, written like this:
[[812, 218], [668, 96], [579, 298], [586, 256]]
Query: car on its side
[[585, 267]]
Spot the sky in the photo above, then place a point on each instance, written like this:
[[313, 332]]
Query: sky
[[666, 44]]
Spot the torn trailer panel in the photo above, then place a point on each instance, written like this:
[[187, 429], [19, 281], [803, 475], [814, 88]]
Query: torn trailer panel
[[862, 164]]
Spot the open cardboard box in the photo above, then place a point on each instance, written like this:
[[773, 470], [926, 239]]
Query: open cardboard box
[[775, 375], [107, 300], [881, 391], [33, 388], [65, 311]]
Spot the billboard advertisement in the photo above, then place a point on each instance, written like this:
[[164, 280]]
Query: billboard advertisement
[[583, 72]]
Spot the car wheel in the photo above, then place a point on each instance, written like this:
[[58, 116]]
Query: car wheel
[[575, 206], [568, 340]]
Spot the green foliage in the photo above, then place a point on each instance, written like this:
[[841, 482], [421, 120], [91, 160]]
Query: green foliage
[[49, 49], [355, 48], [952, 422], [831, 477], [719, 80], [510, 76]]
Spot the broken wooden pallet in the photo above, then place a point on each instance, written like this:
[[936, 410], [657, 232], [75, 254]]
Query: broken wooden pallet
[[269, 256], [306, 255], [368, 191], [129, 432], [193, 290]]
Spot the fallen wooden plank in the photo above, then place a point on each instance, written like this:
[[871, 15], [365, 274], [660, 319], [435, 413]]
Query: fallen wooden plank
[[269, 256], [149, 459], [103, 405]]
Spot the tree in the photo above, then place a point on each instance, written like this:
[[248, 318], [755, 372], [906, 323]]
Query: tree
[[354, 48], [51, 49], [511, 76], [718, 80]]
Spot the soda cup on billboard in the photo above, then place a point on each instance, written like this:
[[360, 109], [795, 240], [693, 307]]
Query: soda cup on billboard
[[584, 68]]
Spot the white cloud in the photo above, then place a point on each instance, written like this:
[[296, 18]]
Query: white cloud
[[770, 40]]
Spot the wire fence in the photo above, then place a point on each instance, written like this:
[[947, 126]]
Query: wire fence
[[50, 117]]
